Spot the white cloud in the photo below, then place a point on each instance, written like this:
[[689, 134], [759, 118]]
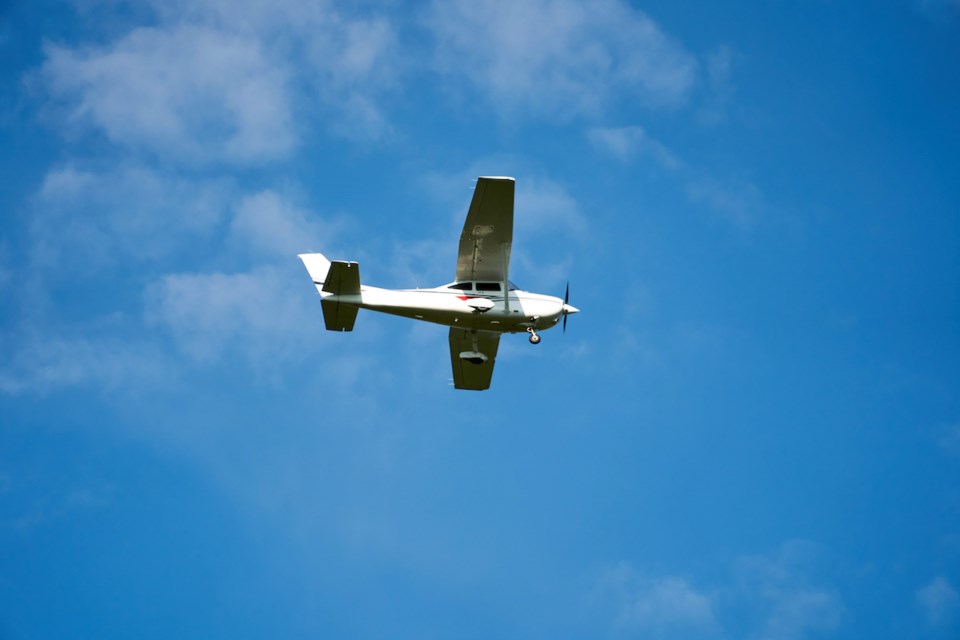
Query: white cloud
[[264, 312], [719, 69], [768, 597], [420, 263], [739, 202], [797, 612], [625, 143], [274, 229], [341, 58], [780, 586], [361, 119], [35, 363], [659, 608], [186, 92], [559, 57], [720, 88], [545, 206], [142, 220], [48, 508], [264, 315], [85, 220], [939, 601], [666, 604]]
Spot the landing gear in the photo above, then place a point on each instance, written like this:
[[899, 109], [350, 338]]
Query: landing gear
[[534, 338]]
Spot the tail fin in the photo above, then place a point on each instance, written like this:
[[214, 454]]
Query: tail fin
[[340, 279]]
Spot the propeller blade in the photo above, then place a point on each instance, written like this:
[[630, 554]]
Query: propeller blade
[[566, 299]]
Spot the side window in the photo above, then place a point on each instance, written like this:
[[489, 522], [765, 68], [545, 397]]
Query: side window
[[461, 286], [488, 286]]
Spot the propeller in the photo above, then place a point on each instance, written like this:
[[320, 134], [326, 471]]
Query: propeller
[[567, 309]]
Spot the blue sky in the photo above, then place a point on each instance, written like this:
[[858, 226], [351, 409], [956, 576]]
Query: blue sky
[[752, 430]]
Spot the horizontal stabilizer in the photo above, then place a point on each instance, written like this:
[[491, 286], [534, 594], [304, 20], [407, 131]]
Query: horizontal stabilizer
[[338, 316]]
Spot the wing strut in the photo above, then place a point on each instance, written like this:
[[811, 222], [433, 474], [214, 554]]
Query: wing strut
[[505, 251]]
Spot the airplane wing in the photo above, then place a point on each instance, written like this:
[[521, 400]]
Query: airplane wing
[[466, 374], [488, 232]]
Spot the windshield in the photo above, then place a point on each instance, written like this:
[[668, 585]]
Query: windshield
[[483, 286]]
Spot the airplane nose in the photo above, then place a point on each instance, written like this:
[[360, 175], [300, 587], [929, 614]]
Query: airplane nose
[[570, 309]]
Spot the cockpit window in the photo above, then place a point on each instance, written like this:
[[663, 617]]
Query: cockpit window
[[483, 286]]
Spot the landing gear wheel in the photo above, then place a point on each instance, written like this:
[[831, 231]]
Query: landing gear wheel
[[534, 338]]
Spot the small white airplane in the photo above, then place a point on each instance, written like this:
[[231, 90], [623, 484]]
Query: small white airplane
[[479, 306]]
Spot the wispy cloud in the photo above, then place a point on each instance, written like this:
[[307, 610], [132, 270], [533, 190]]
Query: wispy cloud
[[792, 604], [667, 607], [48, 508], [187, 92], [720, 88], [87, 223], [940, 602], [589, 57], [546, 206], [272, 228], [233, 82], [627, 143], [737, 201], [258, 311], [87, 219], [769, 597], [35, 363], [260, 314]]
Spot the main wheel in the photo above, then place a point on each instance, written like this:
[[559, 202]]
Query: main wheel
[[534, 338]]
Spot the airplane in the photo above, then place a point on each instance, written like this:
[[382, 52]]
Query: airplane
[[480, 304]]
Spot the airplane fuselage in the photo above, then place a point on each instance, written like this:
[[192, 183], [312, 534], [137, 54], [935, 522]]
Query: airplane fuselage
[[479, 311]]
